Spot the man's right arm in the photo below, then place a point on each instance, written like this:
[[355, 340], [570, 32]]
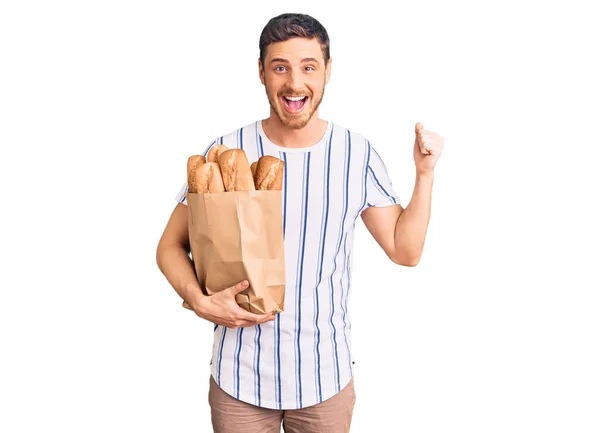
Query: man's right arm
[[173, 259], [175, 264]]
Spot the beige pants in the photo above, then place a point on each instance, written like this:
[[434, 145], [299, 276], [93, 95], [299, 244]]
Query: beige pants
[[230, 415]]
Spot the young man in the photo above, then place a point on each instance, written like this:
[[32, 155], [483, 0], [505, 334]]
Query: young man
[[296, 367]]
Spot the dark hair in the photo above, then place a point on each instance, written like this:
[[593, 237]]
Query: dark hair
[[287, 26]]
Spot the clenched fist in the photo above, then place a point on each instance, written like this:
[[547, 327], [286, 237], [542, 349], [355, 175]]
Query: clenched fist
[[427, 150]]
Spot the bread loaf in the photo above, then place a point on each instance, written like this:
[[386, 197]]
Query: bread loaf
[[209, 179], [193, 163], [253, 168], [235, 170], [215, 152], [269, 173]]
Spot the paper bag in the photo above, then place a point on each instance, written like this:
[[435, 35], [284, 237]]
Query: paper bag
[[236, 236]]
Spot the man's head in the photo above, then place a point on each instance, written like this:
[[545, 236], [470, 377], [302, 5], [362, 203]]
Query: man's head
[[294, 63]]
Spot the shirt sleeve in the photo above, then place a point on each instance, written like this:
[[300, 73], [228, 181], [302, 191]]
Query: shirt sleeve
[[380, 191], [180, 197]]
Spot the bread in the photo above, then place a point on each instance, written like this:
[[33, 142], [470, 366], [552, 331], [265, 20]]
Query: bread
[[269, 173], [209, 179], [215, 152], [225, 169], [193, 163], [235, 170]]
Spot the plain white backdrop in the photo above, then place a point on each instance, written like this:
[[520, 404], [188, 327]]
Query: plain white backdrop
[[496, 330]]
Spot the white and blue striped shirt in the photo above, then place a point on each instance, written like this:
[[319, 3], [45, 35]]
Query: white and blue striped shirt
[[304, 356]]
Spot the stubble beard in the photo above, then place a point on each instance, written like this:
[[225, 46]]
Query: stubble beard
[[293, 121]]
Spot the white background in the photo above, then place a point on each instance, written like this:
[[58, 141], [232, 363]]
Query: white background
[[496, 330]]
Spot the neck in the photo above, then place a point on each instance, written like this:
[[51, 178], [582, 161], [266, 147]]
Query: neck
[[294, 138]]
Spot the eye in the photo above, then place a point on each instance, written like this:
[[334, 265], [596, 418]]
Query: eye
[[310, 68], [279, 68]]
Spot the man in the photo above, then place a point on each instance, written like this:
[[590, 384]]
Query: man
[[296, 367]]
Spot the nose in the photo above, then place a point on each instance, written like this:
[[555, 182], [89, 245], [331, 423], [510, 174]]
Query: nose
[[295, 80]]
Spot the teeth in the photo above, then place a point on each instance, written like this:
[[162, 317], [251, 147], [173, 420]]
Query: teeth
[[297, 98]]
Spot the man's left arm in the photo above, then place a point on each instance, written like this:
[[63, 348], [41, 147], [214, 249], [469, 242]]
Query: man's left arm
[[401, 232]]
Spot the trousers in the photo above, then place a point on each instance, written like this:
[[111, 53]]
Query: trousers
[[230, 415]]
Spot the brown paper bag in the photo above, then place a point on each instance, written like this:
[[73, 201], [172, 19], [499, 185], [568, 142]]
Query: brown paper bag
[[235, 236]]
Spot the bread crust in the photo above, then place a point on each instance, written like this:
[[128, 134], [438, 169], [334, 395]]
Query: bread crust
[[235, 170], [209, 179], [215, 152], [193, 163], [269, 173]]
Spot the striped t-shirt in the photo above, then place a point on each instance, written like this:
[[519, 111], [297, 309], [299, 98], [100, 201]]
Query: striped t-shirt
[[304, 356]]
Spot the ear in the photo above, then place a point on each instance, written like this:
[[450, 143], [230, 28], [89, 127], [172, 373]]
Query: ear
[[261, 72], [328, 71]]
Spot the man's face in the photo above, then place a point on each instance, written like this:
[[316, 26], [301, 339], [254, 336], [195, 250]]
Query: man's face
[[294, 76]]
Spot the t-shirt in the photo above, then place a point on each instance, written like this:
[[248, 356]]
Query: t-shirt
[[304, 356]]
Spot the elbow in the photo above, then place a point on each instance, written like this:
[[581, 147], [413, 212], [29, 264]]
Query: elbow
[[412, 263], [404, 260], [161, 251], [159, 257]]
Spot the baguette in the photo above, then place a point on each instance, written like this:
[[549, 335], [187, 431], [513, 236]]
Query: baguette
[[235, 170], [209, 179], [253, 169], [269, 173], [193, 163], [215, 152]]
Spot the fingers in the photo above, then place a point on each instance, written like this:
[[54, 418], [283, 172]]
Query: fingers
[[241, 312], [252, 319], [239, 287], [424, 133], [428, 141], [238, 316], [421, 142]]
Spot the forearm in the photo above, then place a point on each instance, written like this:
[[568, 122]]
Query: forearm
[[411, 227], [177, 267]]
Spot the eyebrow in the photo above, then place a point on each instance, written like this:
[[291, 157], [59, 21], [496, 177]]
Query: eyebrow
[[307, 59]]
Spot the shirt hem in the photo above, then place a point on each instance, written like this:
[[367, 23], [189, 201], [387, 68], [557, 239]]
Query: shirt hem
[[271, 404]]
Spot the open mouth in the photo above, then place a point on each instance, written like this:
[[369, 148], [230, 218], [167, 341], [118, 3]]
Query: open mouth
[[294, 104]]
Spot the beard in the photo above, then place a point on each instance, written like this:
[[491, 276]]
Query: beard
[[294, 121]]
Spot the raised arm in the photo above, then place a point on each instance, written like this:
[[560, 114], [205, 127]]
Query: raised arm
[[401, 232]]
